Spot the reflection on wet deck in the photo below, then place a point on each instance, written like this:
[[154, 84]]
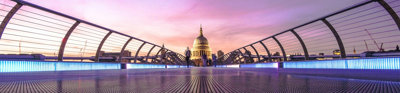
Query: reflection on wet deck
[[198, 80]]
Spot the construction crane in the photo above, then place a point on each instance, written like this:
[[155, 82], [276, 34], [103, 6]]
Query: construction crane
[[369, 34]]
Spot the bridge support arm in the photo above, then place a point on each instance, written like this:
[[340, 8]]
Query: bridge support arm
[[8, 17], [255, 50], [100, 46], [123, 49], [137, 52], [390, 10], [282, 49], [339, 41], [242, 56], [65, 40], [245, 50], [266, 49], [157, 53], [306, 56], [147, 57]]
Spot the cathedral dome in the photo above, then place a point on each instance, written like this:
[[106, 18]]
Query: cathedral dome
[[201, 47], [200, 40]]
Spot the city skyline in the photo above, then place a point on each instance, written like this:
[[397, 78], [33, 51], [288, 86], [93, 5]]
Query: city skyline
[[222, 22]]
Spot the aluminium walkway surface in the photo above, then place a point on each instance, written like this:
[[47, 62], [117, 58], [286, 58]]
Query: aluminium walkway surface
[[203, 80]]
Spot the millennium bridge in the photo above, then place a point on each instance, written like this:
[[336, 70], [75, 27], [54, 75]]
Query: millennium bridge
[[352, 50]]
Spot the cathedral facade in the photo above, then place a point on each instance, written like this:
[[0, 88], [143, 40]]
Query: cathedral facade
[[200, 48]]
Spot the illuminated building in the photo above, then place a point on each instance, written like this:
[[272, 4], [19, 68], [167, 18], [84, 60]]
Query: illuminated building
[[200, 47], [336, 52]]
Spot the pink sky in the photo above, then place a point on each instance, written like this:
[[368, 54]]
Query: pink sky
[[228, 24]]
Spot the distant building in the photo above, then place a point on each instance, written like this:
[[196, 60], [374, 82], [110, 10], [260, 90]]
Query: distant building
[[36, 57], [276, 59], [220, 53], [200, 48], [115, 56], [248, 58], [336, 52]]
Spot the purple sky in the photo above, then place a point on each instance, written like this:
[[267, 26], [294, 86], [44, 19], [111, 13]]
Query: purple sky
[[228, 24]]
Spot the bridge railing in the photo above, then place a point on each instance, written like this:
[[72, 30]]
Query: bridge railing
[[359, 31], [28, 29]]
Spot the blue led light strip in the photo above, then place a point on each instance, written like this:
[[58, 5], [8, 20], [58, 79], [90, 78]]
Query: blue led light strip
[[260, 65], [371, 63], [141, 66], [26, 66]]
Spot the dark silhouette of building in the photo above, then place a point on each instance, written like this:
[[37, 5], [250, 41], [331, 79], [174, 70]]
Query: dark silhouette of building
[[276, 59], [114, 56], [220, 54], [248, 57]]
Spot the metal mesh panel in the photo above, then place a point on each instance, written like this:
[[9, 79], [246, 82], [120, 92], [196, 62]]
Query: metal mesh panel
[[133, 46], [261, 51], [395, 4], [84, 41], [143, 52], [153, 53], [146, 50], [253, 54], [290, 43], [114, 43], [242, 55], [318, 38], [356, 26], [34, 32], [351, 32], [7, 48], [5, 7], [274, 49], [37, 30]]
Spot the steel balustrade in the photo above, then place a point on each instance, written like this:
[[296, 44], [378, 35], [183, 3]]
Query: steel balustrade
[[8, 17], [123, 49], [246, 52], [255, 50], [243, 56], [266, 49], [306, 56], [61, 53], [137, 52], [337, 37], [340, 32], [65, 40], [391, 12], [148, 53], [96, 59], [282, 49], [158, 52]]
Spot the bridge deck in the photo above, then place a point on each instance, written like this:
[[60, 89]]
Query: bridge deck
[[250, 80]]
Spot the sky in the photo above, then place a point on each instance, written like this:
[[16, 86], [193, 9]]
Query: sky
[[227, 24]]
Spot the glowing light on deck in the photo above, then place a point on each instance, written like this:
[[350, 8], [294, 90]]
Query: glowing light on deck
[[371, 63], [25, 66]]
